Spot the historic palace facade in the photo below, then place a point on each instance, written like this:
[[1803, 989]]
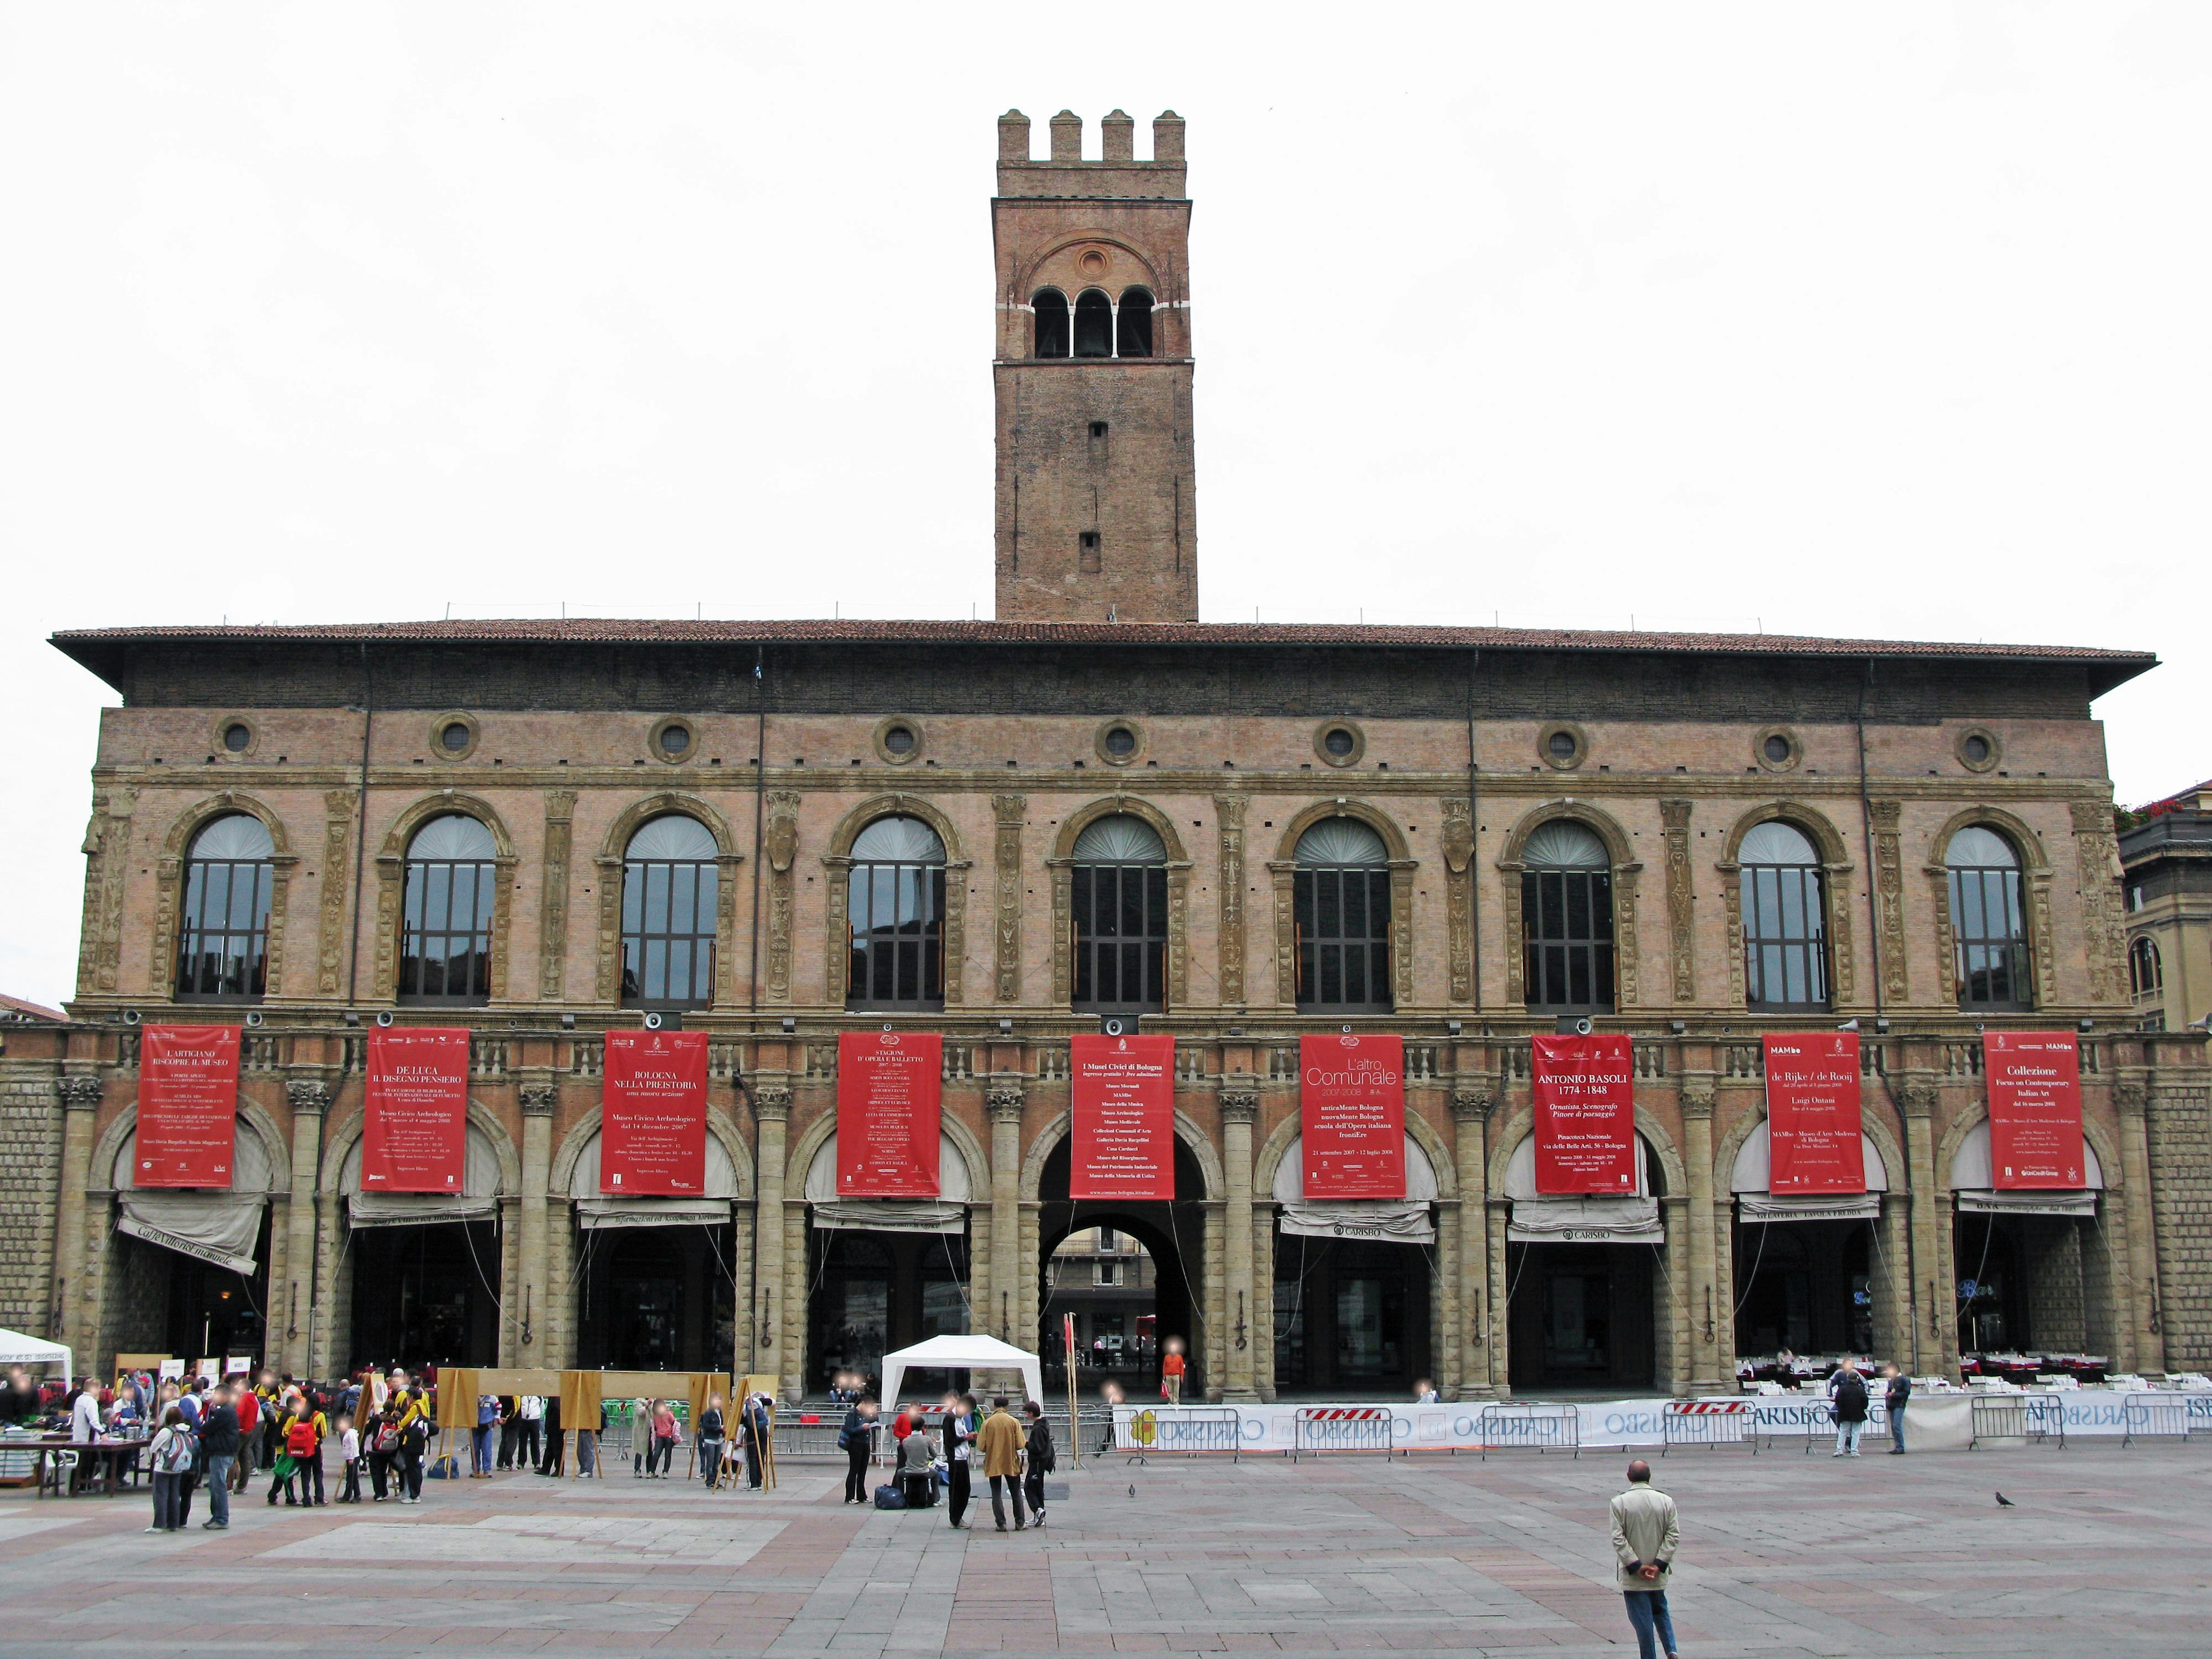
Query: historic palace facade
[[1005, 831]]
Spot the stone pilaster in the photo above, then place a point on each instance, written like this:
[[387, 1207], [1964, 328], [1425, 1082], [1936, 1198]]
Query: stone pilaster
[[1470, 1109], [310, 1098], [534, 1290], [1934, 1292], [1707, 1315], [2139, 1225], [1231, 810], [1239, 1109], [999, 1313], [771, 1117], [76, 1306]]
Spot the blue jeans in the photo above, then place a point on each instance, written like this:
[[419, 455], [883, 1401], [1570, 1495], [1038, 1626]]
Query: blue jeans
[[483, 1449], [218, 1476], [1645, 1609], [1847, 1438], [1897, 1428]]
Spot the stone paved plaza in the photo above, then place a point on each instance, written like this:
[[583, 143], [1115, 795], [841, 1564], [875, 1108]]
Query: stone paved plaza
[[2108, 1551]]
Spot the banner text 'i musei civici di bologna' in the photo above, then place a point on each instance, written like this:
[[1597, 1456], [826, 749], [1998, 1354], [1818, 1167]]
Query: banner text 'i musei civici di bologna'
[[653, 1123], [1812, 1112], [414, 1115], [1351, 1115], [2035, 1109], [891, 1087], [1585, 1097], [1123, 1094], [187, 1129]]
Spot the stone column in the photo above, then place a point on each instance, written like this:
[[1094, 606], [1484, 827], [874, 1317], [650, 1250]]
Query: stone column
[[533, 1319], [1932, 1297], [772, 1120], [310, 1097], [2141, 1320], [1003, 1102], [1263, 1306], [1470, 1109], [510, 1280], [1704, 1312], [1498, 1333], [77, 1309], [1240, 1108]]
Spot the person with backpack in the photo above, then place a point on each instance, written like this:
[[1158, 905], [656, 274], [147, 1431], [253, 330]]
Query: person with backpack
[[1847, 1391], [382, 1450], [310, 1469], [530, 1415], [248, 1404], [173, 1453], [411, 1415], [760, 1430], [856, 1439], [917, 1481], [1040, 1457]]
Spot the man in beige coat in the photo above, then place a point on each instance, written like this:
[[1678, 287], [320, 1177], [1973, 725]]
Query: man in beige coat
[[1645, 1534], [1000, 1440]]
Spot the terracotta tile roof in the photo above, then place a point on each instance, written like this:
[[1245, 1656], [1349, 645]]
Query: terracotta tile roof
[[15, 1011]]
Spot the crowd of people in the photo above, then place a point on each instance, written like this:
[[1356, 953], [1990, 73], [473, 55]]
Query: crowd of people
[[945, 1448]]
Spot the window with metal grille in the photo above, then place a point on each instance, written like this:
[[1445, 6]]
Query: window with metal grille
[[671, 888], [1566, 920], [1118, 889], [1341, 895], [896, 904], [222, 941], [1988, 926], [1786, 963], [445, 947]]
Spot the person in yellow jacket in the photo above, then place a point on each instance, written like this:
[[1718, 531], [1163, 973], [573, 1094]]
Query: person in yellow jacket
[[409, 1407], [1000, 1440]]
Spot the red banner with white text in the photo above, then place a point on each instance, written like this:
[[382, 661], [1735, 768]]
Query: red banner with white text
[[1123, 1091], [652, 1121], [1351, 1115], [1812, 1112], [1585, 1098], [414, 1117], [2035, 1109], [891, 1088], [188, 1131]]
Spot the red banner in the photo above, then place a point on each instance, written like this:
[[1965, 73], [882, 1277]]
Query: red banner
[[2035, 1109], [187, 1105], [1351, 1115], [1812, 1112], [1585, 1096], [891, 1087], [1123, 1090], [652, 1121], [415, 1116]]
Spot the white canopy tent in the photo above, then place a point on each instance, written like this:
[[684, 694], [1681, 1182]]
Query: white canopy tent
[[17, 1349], [962, 1353]]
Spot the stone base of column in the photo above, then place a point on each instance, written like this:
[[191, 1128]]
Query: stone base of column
[[1705, 1385], [1476, 1391], [1240, 1394]]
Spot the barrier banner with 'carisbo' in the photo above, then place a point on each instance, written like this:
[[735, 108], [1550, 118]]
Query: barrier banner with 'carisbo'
[[653, 1123], [889, 1105], [1812, 1112], [2035, 1109], [415, 1113], [1351, 1115], [187, 1106], [1123, 1092], [1585, 1097]]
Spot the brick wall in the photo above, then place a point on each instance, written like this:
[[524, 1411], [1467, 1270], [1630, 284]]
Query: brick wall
[[2180, 1123], [30, 1154]]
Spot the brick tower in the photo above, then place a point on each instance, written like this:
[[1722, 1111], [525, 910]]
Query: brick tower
[[1097, 482]]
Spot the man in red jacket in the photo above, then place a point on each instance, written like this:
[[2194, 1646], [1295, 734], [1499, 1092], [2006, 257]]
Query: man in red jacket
[[248, 1405]]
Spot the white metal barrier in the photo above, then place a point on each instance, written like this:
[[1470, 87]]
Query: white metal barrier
[[1180, 1429], [2152, 1417], [2018, 1417], [1340, 1428], [1510, 1424], [1708, 1423]]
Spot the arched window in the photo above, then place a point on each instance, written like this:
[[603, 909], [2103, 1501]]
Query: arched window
[[445, 948], [1785, 962], [1988, 926], [896, 907], [222, 942], [1341, 892], [1094, 325], [671, 887], [1119, 892], [1051, 308], [2146, 973], [1566, 920], [1132, 323]]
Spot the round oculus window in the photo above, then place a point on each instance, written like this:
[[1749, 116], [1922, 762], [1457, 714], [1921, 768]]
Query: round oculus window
[[1777, 749], [1339, 742], [456, 736], [237, 736], [1120, 740], [1976, 749], [1562, 745], [675, 739], [899, 740]]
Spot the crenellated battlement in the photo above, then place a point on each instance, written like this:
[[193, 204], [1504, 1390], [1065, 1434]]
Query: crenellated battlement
[[1114, 172]]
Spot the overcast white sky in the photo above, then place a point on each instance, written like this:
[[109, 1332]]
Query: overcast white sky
[[1887, 320]]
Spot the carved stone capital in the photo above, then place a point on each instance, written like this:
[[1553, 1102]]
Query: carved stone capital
[[307, 1094], [1918, 1099], [772, 1102], [538, 1098], [79, 1094], [1003, 1104], [2131, 1098], [1240, 1106], [1698, 1101], [1472, 1105]]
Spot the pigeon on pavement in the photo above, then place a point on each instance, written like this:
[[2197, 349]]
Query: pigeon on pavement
[[2004, 1503]]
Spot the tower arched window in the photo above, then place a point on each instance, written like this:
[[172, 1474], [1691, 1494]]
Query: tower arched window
[[895, 904], [1785, 961], [1988, 925], [222, 940], [672, 892], [1094, 325], [1118, 891], [1050, 306], [1132, 323], [2145, 973], [1341, 895], [445, 947], [1566, 920]]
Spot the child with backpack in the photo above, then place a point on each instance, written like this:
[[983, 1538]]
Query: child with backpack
[[173, 1453]]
